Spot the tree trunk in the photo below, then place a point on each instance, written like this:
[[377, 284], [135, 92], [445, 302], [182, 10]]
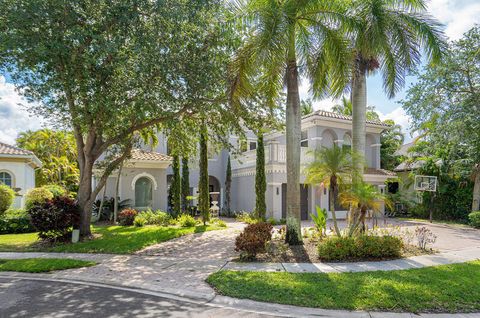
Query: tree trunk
[[260, 181], [293, 126], [331, 194], [476, 189], [84, 198], [359, 114], [185, 185], [115, 198]]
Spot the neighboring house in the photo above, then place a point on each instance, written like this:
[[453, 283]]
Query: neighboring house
[[148, 184], [17, 170]]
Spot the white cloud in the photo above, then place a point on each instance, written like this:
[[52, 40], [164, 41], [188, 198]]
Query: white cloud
[[14, 118], [401, 118], [457, 15]]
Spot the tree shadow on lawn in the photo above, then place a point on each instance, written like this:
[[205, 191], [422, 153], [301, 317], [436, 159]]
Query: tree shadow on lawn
[[451, 288]]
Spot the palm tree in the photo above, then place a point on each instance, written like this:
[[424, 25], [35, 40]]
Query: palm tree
[[307, 107], [331, 167], [389, 36], [345, 108], [362, 197], [285, 39]]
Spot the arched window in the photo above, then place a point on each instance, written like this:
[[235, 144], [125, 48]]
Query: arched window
[[6, 179], [143, 192]]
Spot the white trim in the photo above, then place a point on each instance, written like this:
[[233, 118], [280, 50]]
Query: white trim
[[375, 145], [338, 140], [316, 138], [274, 183], [144, 174]]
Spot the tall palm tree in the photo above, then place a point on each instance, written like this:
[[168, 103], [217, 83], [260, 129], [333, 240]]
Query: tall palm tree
[[389, 36], [331, 167], [362, 197], [285, 39]]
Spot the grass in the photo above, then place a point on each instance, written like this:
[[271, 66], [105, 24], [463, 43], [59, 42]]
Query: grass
[[448, 288], [41, 265], [109, 239]]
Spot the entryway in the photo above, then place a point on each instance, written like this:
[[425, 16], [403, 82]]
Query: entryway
[[303, 201]]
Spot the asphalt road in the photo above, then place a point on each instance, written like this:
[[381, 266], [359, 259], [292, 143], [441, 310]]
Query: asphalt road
[[35, 298]]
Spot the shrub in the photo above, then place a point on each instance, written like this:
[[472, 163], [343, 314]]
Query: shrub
[[54, 218], [246, 218], [359, 247], [253, 239], [424, 237], [156, 217], [320, 220], [56, 190], [218, 222], [15, 221], [186, 220], [139, 220], [474, 219], [7, 195], [272, 221], [37, 196], [126, 217]]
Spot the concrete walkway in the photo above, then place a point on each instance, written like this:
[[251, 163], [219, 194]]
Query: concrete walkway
[[443, 258]]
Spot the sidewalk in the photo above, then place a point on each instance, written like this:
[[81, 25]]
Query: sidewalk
[[443, 258]]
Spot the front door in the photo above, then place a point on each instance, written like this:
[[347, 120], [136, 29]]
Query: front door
[[303, 201]]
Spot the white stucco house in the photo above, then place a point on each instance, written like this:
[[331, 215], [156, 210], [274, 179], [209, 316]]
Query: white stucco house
[[145, 178], [17, 170]]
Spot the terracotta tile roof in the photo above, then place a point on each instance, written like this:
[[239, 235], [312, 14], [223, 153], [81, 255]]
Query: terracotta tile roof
[[139, 154], [11, 150], [382, 172], [323, 113]]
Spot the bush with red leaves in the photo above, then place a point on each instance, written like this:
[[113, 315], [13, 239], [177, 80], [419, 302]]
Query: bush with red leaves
[[55, 218], [127, 216], [253, 239]]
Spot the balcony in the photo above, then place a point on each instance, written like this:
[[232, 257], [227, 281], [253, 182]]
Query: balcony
[[275, 153]]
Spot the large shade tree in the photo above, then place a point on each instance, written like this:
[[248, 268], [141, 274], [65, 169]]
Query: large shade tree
[[389, 36], [108, 69], [444, 107], [285, 40]]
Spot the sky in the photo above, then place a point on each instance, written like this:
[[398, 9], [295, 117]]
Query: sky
[[458, 16]]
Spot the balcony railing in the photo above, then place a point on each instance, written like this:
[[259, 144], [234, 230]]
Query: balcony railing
[[275, 153]]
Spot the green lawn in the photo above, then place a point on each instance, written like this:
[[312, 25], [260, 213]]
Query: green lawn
[[41, 265], [449, 288], [112, 239]]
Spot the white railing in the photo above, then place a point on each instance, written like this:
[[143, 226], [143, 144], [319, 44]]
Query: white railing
[[274, 153]]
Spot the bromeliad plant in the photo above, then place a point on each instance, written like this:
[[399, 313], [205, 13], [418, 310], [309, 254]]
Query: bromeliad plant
[[320, 220]]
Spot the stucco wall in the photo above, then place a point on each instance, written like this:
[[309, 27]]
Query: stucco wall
[[23, 177], [243, 193]]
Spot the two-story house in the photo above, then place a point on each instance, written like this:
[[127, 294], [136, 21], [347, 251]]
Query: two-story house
[[146, 177]]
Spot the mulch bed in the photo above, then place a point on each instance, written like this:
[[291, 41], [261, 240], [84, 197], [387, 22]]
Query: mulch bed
[[279, 252]]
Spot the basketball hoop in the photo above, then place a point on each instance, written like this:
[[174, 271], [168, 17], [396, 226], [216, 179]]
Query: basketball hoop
[[425, 183]]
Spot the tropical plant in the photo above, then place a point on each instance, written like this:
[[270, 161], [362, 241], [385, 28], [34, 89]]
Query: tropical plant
[[362, 197], [37, 195], [389, 36], [7, 195], [331, 167], [391, 140], [307, 106], [186, 220], [474, 219], [260, 181], [320, 220], [57, 151], [345, 108], [279, 37], [127, 216]]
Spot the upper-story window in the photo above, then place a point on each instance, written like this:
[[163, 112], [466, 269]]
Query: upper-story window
[[6, 179], [253, 145], [304, 138], [246, 145]]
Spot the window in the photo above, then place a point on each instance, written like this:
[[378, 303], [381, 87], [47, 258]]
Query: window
[[143, 192], [304, 139], [347, 142], [6, 179], [253, 145]]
